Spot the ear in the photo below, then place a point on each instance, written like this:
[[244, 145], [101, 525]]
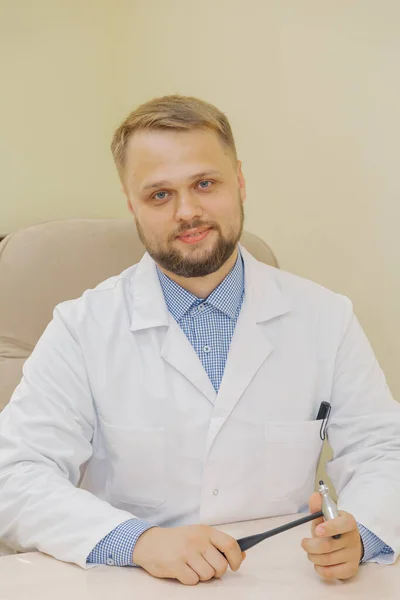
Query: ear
[[128, 201], [130, 207], [241, 181]]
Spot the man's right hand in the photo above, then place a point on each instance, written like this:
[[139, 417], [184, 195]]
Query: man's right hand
[[189, 554]]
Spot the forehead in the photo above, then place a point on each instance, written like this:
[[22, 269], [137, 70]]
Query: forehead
[[165, 154]]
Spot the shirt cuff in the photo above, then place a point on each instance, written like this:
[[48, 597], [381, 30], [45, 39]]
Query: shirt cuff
[[374, 547], [116, 548]]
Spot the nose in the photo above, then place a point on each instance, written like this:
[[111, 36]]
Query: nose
[[188, 207]]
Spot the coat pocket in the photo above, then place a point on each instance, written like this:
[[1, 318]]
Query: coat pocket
[[292, 450], [135, 461]]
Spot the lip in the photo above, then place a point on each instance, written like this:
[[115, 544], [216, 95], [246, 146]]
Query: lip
[[192, 231], [188, 238]]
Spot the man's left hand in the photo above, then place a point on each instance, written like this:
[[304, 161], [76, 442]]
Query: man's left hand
[[333, 559]]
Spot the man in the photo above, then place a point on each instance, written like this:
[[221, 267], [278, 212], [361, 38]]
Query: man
[[183, 393]]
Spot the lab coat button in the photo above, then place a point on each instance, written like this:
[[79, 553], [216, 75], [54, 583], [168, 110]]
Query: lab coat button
[[215, 492]]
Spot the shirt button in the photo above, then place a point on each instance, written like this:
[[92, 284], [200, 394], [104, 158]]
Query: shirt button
[[110, 561], [201, 307], [207, 348], [215, 492]]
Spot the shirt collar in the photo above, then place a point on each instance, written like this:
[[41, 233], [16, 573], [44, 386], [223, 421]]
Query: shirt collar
[[226, 297]]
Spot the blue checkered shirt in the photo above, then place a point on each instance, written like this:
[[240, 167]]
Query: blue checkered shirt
[[209, 325]]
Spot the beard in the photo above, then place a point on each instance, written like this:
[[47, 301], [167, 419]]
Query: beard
[[192, 265]]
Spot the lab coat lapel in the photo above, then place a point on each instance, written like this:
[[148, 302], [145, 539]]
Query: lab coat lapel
[[250, 346], [178, 352], [150, 310]]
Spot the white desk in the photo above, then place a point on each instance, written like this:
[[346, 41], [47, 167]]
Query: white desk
[[276, 569]]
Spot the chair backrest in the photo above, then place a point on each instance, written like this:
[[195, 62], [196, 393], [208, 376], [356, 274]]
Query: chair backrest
[[46, 264]]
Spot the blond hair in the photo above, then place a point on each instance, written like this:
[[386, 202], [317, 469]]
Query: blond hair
[[175, 113]]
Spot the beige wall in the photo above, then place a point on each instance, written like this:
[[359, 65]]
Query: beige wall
[[312, 91], [56, 107]]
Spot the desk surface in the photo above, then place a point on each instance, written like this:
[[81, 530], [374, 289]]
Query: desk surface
[[277, 568]]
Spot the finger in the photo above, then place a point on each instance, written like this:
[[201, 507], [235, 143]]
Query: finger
[[216, 560], [315, 502], [332, 558], [325, 545], [315, 505], [186, 575], [314, 525], [344, 523], [344, 571], [200, 566], [229, 546]]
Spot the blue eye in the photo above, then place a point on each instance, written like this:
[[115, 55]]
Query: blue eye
[[205, 184], [160, 195]]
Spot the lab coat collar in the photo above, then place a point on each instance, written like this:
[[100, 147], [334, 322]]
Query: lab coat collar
[[262, 288], [262, 292], [149, 308], [263, 300]]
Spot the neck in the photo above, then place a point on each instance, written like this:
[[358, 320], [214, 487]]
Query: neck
[[203, 286]]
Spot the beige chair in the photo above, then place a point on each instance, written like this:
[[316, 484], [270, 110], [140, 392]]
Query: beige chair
[[46, 264]]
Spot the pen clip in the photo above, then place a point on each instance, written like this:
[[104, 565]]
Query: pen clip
[[324, 424]]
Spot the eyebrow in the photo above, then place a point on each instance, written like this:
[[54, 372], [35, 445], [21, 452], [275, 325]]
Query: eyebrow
[[165, 183]]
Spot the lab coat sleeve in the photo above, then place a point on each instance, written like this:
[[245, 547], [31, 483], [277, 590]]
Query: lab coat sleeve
[[364, 433], [45, 441]]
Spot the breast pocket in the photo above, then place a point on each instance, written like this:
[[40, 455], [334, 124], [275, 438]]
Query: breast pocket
[[292, 452], [135, 460]]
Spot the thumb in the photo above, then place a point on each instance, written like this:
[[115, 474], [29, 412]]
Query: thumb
[[315, 504]]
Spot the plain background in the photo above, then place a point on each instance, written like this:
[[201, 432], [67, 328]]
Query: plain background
[[312, 90]]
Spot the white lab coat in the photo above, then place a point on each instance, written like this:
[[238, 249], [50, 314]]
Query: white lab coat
[[114, 400]]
